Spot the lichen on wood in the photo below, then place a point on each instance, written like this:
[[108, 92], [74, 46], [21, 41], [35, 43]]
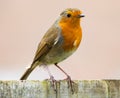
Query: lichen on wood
[[43, 89]]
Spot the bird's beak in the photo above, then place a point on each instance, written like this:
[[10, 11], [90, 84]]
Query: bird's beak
[[80, 16]]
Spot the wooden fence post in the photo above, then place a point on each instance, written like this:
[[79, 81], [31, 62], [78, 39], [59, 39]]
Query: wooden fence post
[[43, 89]]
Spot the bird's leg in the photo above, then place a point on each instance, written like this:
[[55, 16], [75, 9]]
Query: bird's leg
[[69, 81], [52, 80]]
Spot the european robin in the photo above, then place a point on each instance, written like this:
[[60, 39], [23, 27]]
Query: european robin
[[60, 41]]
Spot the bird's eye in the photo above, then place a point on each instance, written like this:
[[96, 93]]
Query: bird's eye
[[68, 15]]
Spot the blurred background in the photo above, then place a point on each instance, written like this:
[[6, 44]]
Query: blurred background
[[24, 22]]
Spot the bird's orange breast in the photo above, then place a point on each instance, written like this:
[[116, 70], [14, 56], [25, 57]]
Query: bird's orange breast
[[71, 35]]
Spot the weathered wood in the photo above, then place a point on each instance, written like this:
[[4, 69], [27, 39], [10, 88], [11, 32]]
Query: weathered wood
[[43, 89]]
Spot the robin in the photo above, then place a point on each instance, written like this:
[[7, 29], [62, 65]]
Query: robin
[[59, 42]]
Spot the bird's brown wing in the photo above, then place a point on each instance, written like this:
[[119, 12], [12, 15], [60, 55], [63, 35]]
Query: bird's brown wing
[[50, 39], [47, 43]]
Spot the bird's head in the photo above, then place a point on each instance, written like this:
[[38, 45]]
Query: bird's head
[[71, 16]]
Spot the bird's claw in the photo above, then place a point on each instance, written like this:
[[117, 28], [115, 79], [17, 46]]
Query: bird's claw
[[53, 83], [71, 84]]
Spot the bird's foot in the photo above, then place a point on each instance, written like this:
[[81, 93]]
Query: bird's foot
[[71, 84], [53, 83]]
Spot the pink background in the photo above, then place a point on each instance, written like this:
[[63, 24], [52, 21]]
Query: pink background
[[24, 22]]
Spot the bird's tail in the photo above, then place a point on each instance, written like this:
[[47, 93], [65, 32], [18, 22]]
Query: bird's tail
[[27, 72]]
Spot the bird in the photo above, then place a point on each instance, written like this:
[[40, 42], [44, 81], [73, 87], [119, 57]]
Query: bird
[[60, 41]]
